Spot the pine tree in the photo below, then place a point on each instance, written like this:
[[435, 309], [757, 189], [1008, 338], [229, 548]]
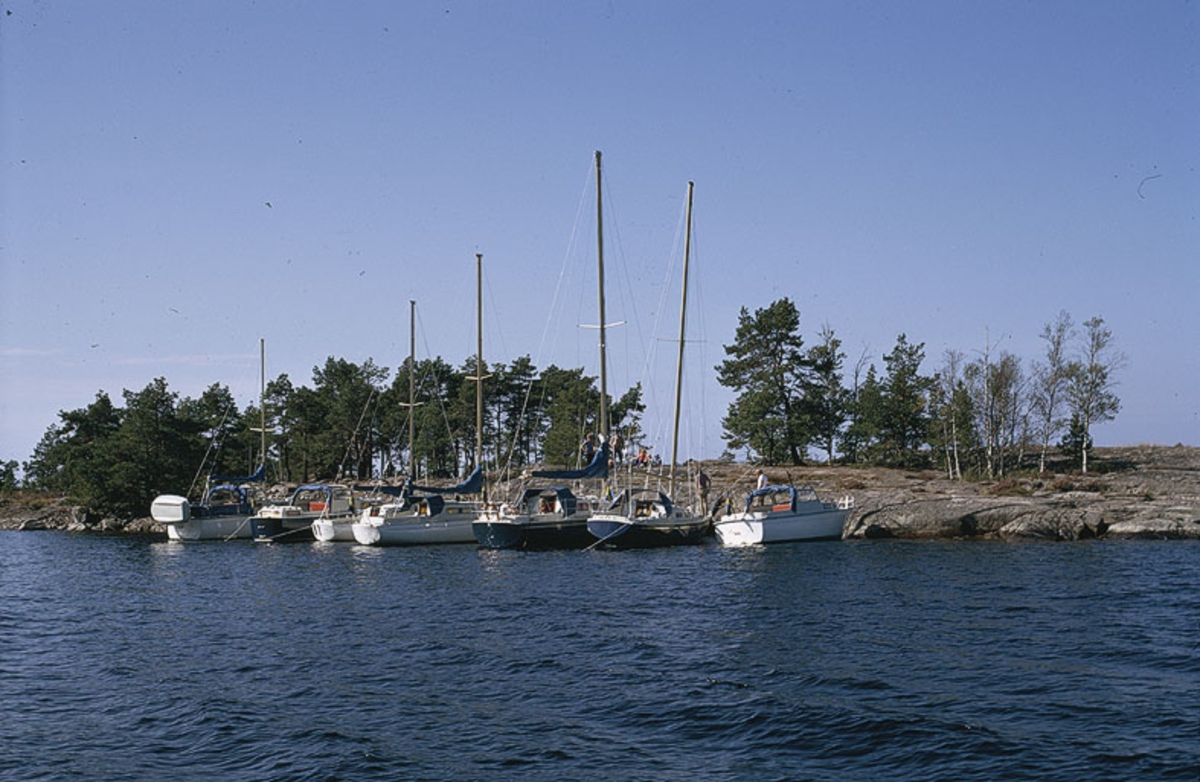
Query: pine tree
[[903, 421], [769, 370], [826, 399]]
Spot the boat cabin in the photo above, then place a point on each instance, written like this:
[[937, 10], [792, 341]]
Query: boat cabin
[[315, 499], [642, 503], [229, 499], [782, 499], [549, 501]]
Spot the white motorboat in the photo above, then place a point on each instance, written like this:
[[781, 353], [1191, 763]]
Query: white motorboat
[[295, 521], [775, 514]]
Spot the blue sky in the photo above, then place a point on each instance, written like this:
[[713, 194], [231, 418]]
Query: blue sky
[[178, 180]]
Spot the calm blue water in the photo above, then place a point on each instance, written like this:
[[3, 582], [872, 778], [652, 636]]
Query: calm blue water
[[138, 659]]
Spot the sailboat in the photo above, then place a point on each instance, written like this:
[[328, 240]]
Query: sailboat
[[646, 518], [545, 516], [223, 512], [429, 517], [227, 503], [550, 515]]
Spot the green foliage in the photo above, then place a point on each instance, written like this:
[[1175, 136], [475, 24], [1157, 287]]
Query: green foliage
[[155, 449], [343, 440], [771, 373], [1076, 442], [73, 456], [626, 414], [996, 388], [904, 422], [1090, 386], [951, 415], [865, 420], [216, 418], [507, 397], [889, 417], [8, 477], [116, 460], [352, 423], [825, 399], [572, 405]]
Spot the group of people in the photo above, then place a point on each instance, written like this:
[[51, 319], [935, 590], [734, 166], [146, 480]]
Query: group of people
[[642, 459]]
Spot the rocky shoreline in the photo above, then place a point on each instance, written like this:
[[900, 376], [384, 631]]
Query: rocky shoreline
[[1147, 492], [1142, 492]]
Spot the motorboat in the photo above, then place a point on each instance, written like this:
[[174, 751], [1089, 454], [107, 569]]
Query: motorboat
[[332, 505], [774, 514]]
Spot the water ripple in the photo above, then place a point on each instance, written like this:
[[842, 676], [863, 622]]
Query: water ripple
[[143, 660]]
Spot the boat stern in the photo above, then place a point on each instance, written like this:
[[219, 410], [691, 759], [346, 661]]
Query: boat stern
[[497, 532], [607, 526]]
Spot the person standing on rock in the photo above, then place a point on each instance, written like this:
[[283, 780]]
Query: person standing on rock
[[702, 485]]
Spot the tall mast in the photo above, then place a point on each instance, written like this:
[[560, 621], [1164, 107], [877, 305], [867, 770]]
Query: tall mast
[[262, 395], [687, 252], [600, 288], [479, 362], [412, 388]]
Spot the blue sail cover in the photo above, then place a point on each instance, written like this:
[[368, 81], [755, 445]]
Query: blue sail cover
[[472, 485], [390, 491], [258, 475], [597, 468]]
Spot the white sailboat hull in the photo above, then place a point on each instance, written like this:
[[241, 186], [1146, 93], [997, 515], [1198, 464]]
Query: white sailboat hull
[[415, 532], [227, 528], [185, 522], [339, 530], [407, 526]]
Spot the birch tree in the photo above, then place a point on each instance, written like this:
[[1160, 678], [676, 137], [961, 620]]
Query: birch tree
[[997, 391], [1090, 385], [952, 406], [1049, 386], [855, 434]]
